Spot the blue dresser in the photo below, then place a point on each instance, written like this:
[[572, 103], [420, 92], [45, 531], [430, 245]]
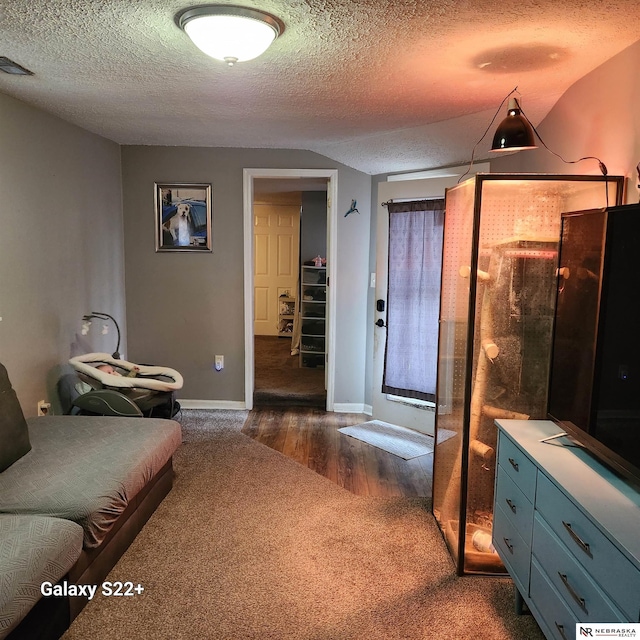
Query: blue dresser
[[566, 528]]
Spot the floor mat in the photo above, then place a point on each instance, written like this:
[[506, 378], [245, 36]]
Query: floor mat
[[402, 442]]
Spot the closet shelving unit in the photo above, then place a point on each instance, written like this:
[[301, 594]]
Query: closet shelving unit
[[286, 314], [313, 297]]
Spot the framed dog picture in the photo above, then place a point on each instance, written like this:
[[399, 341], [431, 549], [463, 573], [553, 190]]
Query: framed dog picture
[[183, 217]]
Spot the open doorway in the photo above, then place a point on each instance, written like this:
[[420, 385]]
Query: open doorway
[[289, 360], [289, 233]]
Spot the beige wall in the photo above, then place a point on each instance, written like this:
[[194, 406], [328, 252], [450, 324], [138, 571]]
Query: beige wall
[[61, 245], [182, 309]]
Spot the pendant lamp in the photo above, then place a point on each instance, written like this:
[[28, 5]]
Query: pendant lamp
[[514, 133], [229, 33]]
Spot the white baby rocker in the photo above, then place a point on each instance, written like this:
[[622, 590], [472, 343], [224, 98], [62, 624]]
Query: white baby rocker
[[117, 387]]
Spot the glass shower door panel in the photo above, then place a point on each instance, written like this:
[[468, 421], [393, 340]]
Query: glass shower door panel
[[452, 372]]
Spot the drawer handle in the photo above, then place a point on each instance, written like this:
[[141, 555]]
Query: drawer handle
[[509, 545], [577, 539], [514, 464], [579, 601], [511, 505], [560, 628]]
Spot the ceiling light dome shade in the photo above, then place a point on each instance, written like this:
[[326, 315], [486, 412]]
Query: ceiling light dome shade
[[514, 133], [229, 33]]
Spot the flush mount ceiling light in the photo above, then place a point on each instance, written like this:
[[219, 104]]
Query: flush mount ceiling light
[[514, 133], [228, 33]]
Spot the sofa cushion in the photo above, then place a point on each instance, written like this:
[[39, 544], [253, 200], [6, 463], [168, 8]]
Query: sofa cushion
[[14, 434], [87, 468], [33, 550]]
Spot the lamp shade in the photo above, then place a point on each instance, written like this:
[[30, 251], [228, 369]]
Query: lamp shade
[[514, 133], [229, 33]]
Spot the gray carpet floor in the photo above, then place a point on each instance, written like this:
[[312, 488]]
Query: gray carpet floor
[[250, 544]]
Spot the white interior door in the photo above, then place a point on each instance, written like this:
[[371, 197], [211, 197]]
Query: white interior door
[[276, 260]]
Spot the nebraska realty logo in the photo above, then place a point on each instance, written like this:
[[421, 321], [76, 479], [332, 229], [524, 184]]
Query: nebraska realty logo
[[608, 630]]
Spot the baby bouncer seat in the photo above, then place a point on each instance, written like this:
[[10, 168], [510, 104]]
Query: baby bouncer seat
[[113, 387]]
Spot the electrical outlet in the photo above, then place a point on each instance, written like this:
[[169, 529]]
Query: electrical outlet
[[219, 363], [43, 407]]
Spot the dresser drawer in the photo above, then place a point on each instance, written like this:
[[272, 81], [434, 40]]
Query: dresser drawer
[[514, 552], [561, 622], [515, 505], [581, 594], [616, 575], [517, 466]]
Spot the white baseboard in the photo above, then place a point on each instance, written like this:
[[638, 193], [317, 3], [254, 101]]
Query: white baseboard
[[348, 407], [212, 404], [241, 406]]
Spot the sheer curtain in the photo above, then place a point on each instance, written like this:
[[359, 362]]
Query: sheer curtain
[[413, 298]]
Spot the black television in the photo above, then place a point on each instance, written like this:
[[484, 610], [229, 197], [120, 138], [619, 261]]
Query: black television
[[594, 382]]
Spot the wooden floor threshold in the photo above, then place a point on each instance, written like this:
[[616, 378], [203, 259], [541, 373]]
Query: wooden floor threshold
[[310, 436]]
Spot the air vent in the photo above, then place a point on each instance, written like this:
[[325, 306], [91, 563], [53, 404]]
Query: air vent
[[9, 66]]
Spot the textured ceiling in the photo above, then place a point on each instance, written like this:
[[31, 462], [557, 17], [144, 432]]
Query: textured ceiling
[[380, 85]]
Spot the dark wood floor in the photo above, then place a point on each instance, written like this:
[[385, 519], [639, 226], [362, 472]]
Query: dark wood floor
[[280, 381], [310, 436]]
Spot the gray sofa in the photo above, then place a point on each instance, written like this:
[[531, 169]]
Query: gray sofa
[[74, 493]]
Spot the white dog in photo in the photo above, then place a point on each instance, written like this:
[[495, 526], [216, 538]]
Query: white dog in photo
[[180, 225]]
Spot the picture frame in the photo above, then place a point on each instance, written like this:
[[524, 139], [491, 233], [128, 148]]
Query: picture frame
[[183, 217]]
